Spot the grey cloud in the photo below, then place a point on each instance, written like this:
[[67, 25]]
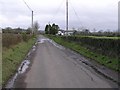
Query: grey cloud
[[91, 13]]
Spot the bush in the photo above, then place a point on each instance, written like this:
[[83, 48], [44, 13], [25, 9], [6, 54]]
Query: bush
[[106, 46], [24, 37], [9, 39]]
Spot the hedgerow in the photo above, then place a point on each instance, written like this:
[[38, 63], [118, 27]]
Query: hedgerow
[[106, 46]]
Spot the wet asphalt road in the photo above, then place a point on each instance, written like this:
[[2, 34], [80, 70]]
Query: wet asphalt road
[[53, 67]]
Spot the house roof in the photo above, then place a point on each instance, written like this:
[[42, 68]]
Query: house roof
[[66, 31]]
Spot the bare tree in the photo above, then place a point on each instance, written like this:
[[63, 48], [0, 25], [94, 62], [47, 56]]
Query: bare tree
[[36, 27]]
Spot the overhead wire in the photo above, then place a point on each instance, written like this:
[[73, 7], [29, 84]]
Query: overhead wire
[[30, 11], [57, 10], [27, 5], [78, 18]]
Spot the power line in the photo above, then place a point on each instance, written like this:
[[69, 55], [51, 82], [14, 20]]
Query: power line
[[27, 5], [31, 15], [57, 10], [76, 13]]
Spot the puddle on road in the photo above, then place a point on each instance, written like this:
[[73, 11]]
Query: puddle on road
[[34, 48], [51, 41], [22, 68], [11, 82], [42, 40]]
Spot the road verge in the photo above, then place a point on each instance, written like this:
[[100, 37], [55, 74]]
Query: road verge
[[13, 57]]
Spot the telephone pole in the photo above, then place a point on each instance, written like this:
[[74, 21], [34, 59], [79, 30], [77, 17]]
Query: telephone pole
[[67, 17], [32, 22], [32, 15]]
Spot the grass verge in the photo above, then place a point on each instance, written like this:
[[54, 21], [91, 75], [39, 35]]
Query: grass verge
[[12, 57], [109, 62]]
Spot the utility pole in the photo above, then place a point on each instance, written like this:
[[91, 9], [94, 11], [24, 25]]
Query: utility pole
[[32, 14], [32, 23], [67, 16]]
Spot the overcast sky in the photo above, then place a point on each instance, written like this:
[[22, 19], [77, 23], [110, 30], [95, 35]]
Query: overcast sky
[[99, 14]]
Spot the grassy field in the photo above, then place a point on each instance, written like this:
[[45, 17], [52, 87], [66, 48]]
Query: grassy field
[[109, 62], [12, 58], [101, 37]]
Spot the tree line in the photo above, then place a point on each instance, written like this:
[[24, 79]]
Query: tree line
[[21, 30], [87, 32]]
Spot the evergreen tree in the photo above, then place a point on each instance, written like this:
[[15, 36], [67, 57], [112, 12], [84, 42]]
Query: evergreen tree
[[51, 29], [46, 30]]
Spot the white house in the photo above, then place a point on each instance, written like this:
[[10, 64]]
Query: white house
[[60, 32], [69, 32], [63, 32]]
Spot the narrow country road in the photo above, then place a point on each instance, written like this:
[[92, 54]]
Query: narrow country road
[[54, 67]]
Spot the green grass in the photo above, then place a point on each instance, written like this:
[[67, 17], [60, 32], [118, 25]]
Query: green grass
[[13, 57], [101, 37], [109, 62]]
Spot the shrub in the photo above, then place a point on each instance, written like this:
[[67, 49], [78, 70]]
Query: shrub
[[24, 37], [9, 39], [106, 46]]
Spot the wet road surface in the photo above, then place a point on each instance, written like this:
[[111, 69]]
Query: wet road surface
[[54, 67]]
